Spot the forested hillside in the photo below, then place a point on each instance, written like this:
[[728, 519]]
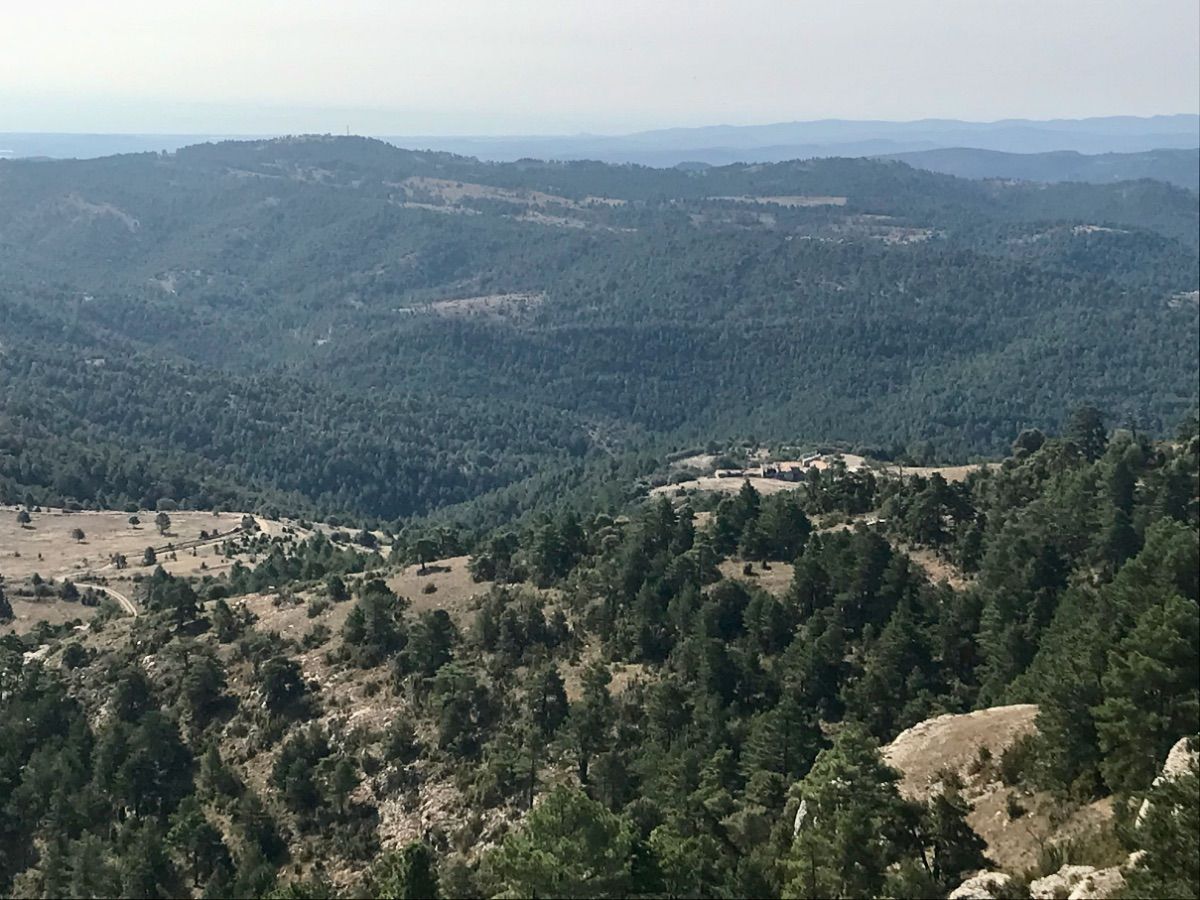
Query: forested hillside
[[1176, 166], [337, 326], [684, 698]]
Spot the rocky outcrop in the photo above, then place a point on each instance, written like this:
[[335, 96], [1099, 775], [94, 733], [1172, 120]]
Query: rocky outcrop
[[983, 886], [1183, 756], [969, 748], [1100, 885], [1078, 883], [952, 742]]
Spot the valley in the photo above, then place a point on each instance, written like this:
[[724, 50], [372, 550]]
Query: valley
[[670, 451], [452, 677], [389, 523], [206, 300]]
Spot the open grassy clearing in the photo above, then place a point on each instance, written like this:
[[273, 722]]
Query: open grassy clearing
[[797, 200], [489, 306], [454, 192], [764, 484], [774, 580], [47, 545], [445, 584], [27, 613], [937, 568]]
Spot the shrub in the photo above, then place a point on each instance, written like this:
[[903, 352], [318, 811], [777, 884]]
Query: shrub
[[1015, 760], [316, 636], [1014, 807]]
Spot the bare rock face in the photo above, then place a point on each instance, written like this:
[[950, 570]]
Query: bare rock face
[[1101, 884], [1179, 760], [1078, 883], [1084, 882], [1183, 755], [1060, 884], [956, 745], [953, 741], [983, 886]]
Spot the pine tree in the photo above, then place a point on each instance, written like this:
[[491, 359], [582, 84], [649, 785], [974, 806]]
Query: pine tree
[[853, 824], [1152, 693], [569, 846], [409, 874], [1170, 866], [92, 874], [687, 863], [342, 780], [146, 870], [1087, 432], [591, 716], [953, 847], [546, 700], [56, 868]]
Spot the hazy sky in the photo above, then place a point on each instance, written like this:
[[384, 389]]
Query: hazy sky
[[552, 66]]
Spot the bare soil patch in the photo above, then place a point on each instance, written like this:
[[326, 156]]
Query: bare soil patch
[[775, 580], [712, 484], [731, 484], [950, 473], [84, 210], [1016, 844], [52, 610], [937, 568], [491, 306], [454, 589], [455, 192], [623, 674], [704, 462], [48, 547], [795, 200]]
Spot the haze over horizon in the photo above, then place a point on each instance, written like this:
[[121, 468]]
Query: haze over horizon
[[533, 68]]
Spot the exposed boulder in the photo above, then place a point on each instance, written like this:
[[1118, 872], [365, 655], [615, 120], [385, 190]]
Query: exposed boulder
[[1078, 883], [1182, 757], [1180, 760], [1100, 885], [984, 886]]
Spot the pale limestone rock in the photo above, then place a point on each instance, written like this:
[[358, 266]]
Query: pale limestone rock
[[982, 886], [1179, 761], [1060, 884], [1102, 884], [1079, 883]]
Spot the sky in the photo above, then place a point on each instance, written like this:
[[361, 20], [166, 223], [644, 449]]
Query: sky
[[563, 66]]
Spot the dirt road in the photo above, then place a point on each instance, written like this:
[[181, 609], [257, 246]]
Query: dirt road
[[128, 605]]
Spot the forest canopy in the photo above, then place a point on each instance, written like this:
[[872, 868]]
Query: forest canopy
[[340, 326]]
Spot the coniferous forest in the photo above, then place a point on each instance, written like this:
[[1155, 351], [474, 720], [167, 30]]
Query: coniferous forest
[[345, 328], [620, 714], [479, 634]]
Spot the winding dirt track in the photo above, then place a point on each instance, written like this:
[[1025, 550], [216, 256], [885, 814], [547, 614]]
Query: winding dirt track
[[128, 605]]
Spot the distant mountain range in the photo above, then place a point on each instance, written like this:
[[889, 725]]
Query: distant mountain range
[[1096, 149], [1181, 167], [724, 144]]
